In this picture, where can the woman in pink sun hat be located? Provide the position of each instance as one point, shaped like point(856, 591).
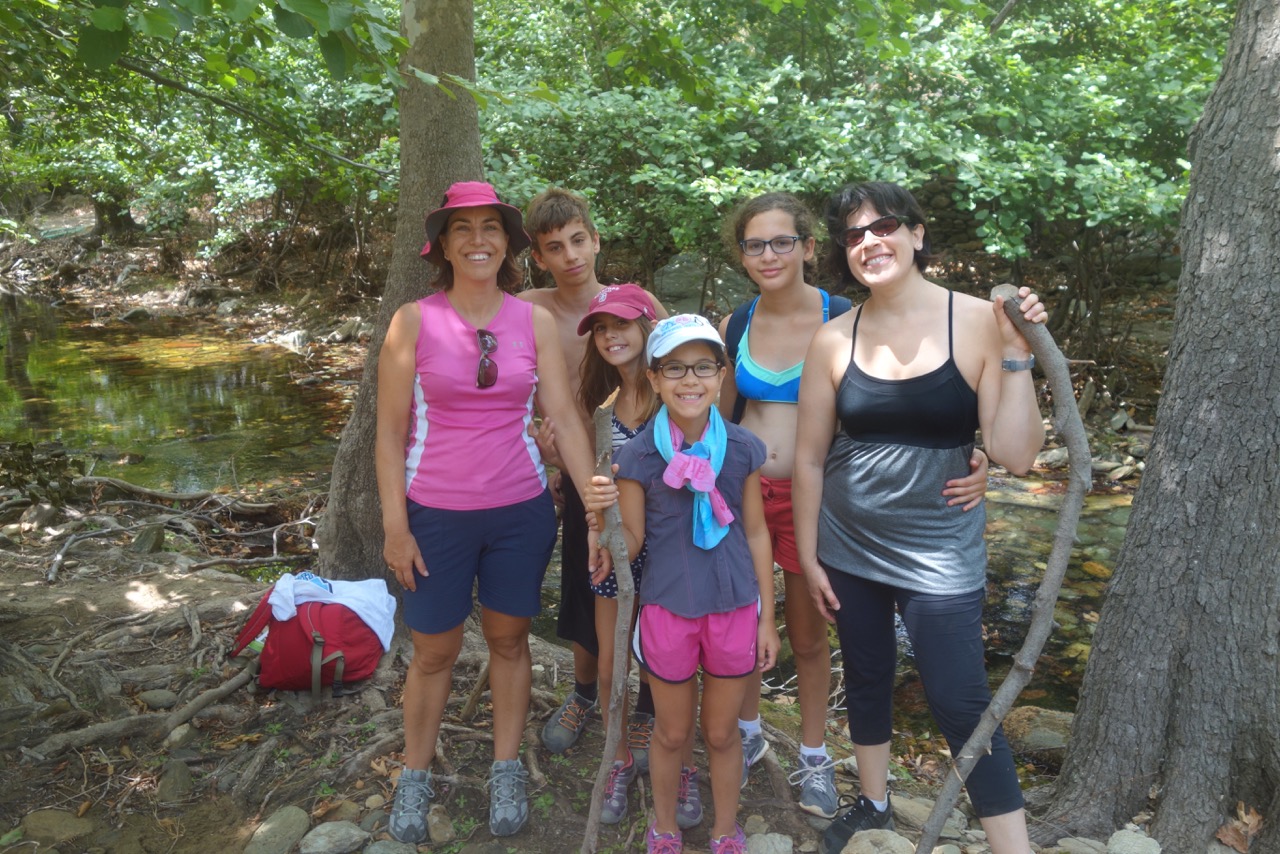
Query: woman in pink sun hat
point(463, 489)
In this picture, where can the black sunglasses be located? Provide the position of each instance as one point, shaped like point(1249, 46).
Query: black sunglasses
point(487, 372)
point(882, 227)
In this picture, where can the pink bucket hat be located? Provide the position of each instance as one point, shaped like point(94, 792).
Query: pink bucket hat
point(625, 301)
point(475, 194)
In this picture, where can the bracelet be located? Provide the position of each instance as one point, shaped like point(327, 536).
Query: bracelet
point(1019, 364)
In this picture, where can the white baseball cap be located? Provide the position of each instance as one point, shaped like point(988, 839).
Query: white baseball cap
point(671, 332)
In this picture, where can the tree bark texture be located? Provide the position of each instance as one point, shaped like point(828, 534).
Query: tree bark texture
point(1180, 707)
point(439, 144)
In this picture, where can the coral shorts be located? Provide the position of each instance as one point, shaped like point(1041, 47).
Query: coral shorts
point(780, 522)
point(672, 647)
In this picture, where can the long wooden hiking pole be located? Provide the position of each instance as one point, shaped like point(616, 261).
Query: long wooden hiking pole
point(1066, 420)
point(612, 539)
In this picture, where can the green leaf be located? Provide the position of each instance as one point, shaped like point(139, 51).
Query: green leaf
point(108, 18)
point(160, 22)
point(201, 8)
point(615, 56)
point(291, 23)
point(314, 11)
point(337, 56)
point(341, 15)
point(429, 79)
point(240, 10)
point(99, 48)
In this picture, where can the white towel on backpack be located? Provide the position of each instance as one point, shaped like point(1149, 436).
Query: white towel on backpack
point(369, 599)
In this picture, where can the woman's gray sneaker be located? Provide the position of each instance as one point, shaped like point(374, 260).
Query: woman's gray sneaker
point(817, 779)
point(408, 821)
point(508, 803)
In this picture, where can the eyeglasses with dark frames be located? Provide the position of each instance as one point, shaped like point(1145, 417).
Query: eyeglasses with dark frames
point(487, 372)
point(677, 370)
point(882, 227)
point(782, 244)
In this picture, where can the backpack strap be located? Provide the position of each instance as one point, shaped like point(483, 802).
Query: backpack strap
point(318, 661)
point(732, 335)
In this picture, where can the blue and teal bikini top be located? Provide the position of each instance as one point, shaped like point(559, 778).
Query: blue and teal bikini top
point(757, 383)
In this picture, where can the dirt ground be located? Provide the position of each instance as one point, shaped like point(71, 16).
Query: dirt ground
point(84, 650)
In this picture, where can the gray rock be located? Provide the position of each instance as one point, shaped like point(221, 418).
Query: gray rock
point(440, 825)
point(38, 516)
point(138, 313)
point(390, 846)
point(911, 814)
point(1039, 734)
point(175, 783)
point(149, 540)
point(282, 830)
point(878, 842)
point(181, 736)
point(1079, 845)
point(337, 837)
point(228, 307)
point(158, 698)
point(343, 811)
point(47, 828)
point(770, 843)
point(754, 824)
point(1054, 458)
point(1132, 842)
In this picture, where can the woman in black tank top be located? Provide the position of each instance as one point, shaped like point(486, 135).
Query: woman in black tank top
point(890, 398)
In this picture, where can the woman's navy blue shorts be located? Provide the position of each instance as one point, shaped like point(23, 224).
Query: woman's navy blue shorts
point(504, 551)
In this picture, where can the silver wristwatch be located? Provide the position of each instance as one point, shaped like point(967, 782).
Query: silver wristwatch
point(1019, 364)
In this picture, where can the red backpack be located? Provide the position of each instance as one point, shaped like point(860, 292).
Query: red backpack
point(325, 643)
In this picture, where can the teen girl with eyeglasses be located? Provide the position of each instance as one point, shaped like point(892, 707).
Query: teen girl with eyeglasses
point(773, 236)
point(890, 398)
point(462, 485)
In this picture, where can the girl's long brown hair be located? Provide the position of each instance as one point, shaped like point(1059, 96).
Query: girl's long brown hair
point(599, 378)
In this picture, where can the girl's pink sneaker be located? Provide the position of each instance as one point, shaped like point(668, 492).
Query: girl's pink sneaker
point(736, 844)
point(664, 843)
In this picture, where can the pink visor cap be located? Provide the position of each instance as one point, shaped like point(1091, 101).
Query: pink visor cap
point(625, 301)
point(475, 194)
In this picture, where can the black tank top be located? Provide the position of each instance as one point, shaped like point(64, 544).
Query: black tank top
point(934, 410)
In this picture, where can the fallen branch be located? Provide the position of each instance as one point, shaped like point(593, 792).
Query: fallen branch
point(248, 561)
point(477, 691)
point(611, 538)
point(235, 505)
point(1066, 420)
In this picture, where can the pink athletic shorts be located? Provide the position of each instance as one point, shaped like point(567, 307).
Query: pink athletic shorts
point(781, 524)
point(671, 647)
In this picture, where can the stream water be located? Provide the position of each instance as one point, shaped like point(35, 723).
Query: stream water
point(175, 404)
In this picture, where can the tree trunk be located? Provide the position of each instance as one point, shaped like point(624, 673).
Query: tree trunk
point(1180, 707)
point(439, 144)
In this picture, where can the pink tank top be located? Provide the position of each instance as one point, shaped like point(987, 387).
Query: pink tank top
point(469, 448)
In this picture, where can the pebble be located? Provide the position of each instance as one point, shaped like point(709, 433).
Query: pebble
point(755, 823)
point(175, 783)
point(1074, 845)
point(1132, 842)
point(878, 842)
point(158, 698)
point(440, 825)
point(769, 843)
point(47, 828)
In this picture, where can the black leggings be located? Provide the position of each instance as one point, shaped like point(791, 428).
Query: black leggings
point(946, 634)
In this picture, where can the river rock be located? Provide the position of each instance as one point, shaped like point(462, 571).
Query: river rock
point(138, 313)
point(181, 736)
point(228, 307)
point(280, 832)
point(1054, 458)
point(338, 837)
point(38, 517)
point(175, 783)
point(1132, 842)
point(47, 828)
point(149, 540)
point(911, 813)
point(343, 810)
point(160, 698)
point(1039, 734)
point(878, 842)
point(390, 846)
point(1079, 845)
point(770, 843)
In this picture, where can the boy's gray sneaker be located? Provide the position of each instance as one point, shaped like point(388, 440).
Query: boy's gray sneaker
point(817, 779)
point(614, 808)
point(508, 803)
point(753, 747)
point(408, 822)
point(564, 727)
point(688, 800)
point(639, 734)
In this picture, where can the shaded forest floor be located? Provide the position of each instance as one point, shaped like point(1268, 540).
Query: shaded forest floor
point(120, 711)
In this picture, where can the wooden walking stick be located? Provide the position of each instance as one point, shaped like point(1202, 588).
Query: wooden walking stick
point(1066, 420)
point(611, 538)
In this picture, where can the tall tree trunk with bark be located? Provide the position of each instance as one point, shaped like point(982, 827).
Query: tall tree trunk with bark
point(1180, 708)
point(439, 144)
